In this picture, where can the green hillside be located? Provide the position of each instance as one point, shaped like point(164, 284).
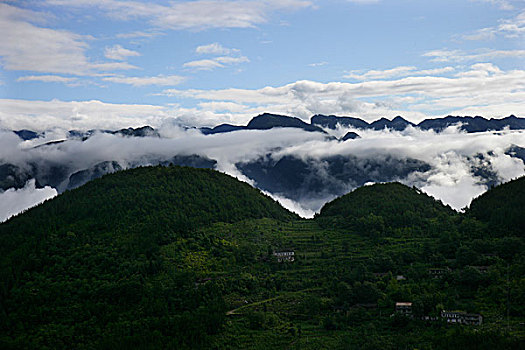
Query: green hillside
point(95, 261)
point(182, 258)
point(381, 209)
point(502, 208)
point(180, 198)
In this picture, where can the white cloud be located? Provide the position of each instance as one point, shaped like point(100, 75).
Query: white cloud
point(138, 34)
point(318, 64)
point(514, 27)
point(364, 1)
point(434, 71)
point(482, 89)
point(292, 205)
point(206, 64)
point(458, 195)
point(214, 49)
point(233, 56)
point(231, 60)
point(502, 4)
point(84, 115)
point(25, 46)
point(161, 80)
point(111, 66)
point(508, 28)
point(481, 34)
point(480, 70)
point(28, 47)
point(14, 201)
point(119, 53)
point(477, 87)
point(395, 72)
point(224, 106)
point(192, 15)
point(448, 153)
point(48, 79)
point(380, 74)
point(461, 56)
point(216, 62)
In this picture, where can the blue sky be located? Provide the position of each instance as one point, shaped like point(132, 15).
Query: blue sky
point(83, 64)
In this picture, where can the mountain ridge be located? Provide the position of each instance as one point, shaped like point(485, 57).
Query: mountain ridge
point(266, 121)
point(398, 123)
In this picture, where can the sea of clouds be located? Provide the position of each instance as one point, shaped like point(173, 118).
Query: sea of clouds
point(450, 154)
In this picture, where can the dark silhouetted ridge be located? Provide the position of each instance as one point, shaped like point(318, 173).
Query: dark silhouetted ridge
point(473, 124)
point(138, 132)
point(268, 121)
point(331, 121)
point(502, 207)
point(350, 136)
point(398, 123)
point(25, 134)
point(223, 128)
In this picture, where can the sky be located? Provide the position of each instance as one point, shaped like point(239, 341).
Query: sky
point(83, 64)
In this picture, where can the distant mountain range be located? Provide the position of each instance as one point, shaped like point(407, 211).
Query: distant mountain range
point(143, 131)
point(303, 179)
point(264, 122)
point(268, 121)
point(469, 124)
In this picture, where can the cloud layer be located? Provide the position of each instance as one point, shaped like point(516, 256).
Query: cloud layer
point(27, 46)
point(192, 15)
point(452, 156)
point(14, 201)
point(483, 88)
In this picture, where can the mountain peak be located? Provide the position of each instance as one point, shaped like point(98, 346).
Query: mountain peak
point(331, 121)
point(138, 132)
point(400, 119)
point(398, 124)
point(25, 134)
point(350, 136)
point(267, 121)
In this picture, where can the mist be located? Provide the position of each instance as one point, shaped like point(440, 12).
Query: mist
point(14, 201)
point(457, 166)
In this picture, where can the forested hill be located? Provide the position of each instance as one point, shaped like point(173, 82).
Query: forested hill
point(171, 198)
point(383, 207)
point(503, 207)
point(183, 258)
point(104, 262)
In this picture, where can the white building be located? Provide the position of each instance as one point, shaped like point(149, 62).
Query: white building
point(460, 317)
point(285, 256)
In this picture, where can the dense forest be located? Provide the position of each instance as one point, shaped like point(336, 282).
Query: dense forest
point(176, 257)
point(502, 208)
